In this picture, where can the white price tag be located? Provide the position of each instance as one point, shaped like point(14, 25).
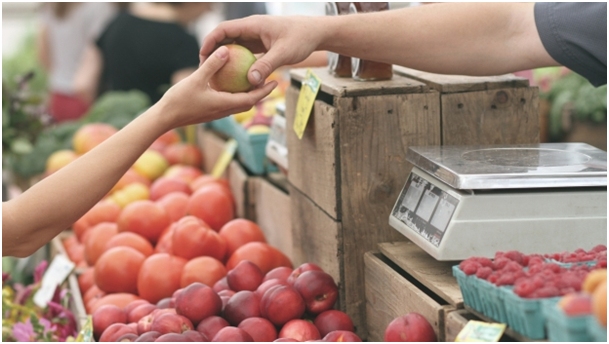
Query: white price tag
point(56, 273)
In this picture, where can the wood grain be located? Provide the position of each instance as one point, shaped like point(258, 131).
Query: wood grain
point(238, 180)
point(455, 322)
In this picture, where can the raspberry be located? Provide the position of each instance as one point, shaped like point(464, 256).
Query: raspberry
point(500, 262)
point(601, 264)
point(484, 272)
point(538, 281)
point(535, 269)
point(506, 279)
point(548, 291)
point(493, 277)
point(515, 256)
point(555, 268)
point(599, 248)
point(524, 288)
point(499, 254)
point(512, 267)
point(565, 291)
point(470, 268)
point(484, 261)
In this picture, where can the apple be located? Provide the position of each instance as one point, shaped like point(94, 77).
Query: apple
point(301, 269)
point(281, 273)
point(105, 316)
point(260, 329)
point(210, 326)
point(244, 276)
point(341, 336)
point(139, 312)
point(232, 77)
point(173, 337)
point(412, 327)
point(197, 302)
point(174, 323)
point(115, 331)
point(149, 336)
point(299, 329)
point(333, 320)
point(232, 334)
point(244, 304)
point(127, 337)
point(318, 290)
point(281, 304)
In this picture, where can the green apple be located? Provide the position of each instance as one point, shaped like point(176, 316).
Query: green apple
point(232, 77)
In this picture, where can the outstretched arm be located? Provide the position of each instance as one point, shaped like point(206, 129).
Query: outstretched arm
point(52, 205)
point(451, 38)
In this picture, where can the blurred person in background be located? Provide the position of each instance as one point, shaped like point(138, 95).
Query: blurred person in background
point(66, 29)
point(146, 48)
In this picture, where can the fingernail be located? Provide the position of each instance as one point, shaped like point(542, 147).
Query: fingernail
point(222, 52)
point(256, 76)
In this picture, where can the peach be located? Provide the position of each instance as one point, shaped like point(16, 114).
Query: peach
point(281, 304)
point(260, 329)
point(145, 218)
point(90, 135)
point(127, 337)
point(166, 185)
point(222, 284)
point(105, 316)
point(299, 329)
point(151, 164)
point(232, 334)
point(59, 159)
point(599, 303)
point(140, 311)
point(333, 320)
point(128, 178)
point(302, 269)
point(211, 325)
point(115, 331)
point(281, 273)
point(197, 302)
point(172, 337)
point(183, 172)
point(149, 336)
point(195, 336)
point(412, 327)
point(576, 304)
point(133, 304)
point(183, 154)
point(232, 77)
point(175, 204)
point(245, 276)
point(318, 290)
point(593, 279)
point(171, 323)
point(268, 285)
point(341, 336)
point(244, 304)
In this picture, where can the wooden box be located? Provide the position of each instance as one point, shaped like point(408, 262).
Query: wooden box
point(402, 278)
point(349, 168)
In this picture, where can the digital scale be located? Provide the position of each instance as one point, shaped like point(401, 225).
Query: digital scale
point(464, 201)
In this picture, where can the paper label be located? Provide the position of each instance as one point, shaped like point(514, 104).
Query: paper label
point(225, 158)
point(306, 99)
point(56, 273)
point(479, 331)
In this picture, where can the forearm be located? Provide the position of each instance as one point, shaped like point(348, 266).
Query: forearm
point(53, 204)
point(452, 38)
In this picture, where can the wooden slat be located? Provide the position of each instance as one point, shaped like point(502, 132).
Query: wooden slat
point(237, 180)
point(211, 146)
point(461, 83)
point(503, 116)
point(347, 87)
point(312, 160)
point(273, 215)
point(435, 275)
point(455, 322)
point(390, 295)
point(509, 332)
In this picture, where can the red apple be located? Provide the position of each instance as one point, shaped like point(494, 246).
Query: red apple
point(232, 334)
point(166, 185)
point(302, 269)
point(333, 320)
point(210, 326)
point(260, 329)
point(197, 302)
point(114, 332)
point(281, 273)
point(281, 304)
point(149, 336)
point(173, 337)
point(341, 336)
point(139, 312)
point(299, 329)
point(244, 276)
point(318, 290)
point(171, 323)
point(244, 304)
point(127, 337)
point(105, 316)
point(412, 327)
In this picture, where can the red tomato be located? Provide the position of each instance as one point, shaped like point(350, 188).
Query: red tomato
point(206, 270)
point(116, 270)
point(239, 232)
point(159, 276)
point(212, 204)
point(132, 240)
point(194, 239)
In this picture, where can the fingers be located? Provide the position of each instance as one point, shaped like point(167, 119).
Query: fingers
point(249, 99)
point(213, 63)
point(265, 65)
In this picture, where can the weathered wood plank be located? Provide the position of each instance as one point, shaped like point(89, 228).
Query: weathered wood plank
point(462, 83)
point(347, 87)
point(237, 180)
point(390, 295)
point(455, 322)
point(502, 116)
point(435, 275)
point(211, 145)
point(312, 160)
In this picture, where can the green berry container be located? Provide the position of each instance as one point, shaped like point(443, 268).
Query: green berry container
point(251, 151)
point(598, 332)
point(564, 328)
point(525, 316)
point(224, 125)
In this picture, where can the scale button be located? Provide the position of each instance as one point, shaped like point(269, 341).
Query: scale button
point(402, 209)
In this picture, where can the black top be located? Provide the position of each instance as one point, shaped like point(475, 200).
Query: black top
point(575, 35)
point(143, 54)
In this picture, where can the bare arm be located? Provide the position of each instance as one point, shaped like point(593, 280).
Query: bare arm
point(52, 205)
point(181, 74)
point(89, 72)
point(43, 50)
point(450, 38)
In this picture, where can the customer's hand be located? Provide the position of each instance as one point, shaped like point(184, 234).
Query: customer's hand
point(284, 40)
point(192, 100)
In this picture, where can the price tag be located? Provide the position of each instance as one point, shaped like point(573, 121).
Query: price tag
point(227, 155)
point(479, 331)
point(306, 98)
point(56, 273)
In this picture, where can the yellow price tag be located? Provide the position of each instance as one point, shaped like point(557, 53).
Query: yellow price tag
point(480, 331)
point(227, 155)
point(306, 98)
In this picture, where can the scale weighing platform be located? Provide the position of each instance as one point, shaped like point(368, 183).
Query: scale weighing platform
point(464, 201)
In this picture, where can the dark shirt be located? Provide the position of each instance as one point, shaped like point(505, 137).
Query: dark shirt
point(143, 54)
point(575, 35)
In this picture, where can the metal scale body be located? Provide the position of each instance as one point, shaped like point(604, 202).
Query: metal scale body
point(464, 201)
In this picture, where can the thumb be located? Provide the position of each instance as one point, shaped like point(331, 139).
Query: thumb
point(213, 63)
point(264, 66)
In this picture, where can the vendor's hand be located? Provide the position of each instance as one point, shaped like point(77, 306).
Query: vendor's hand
point(284, 40)
point(192, 100)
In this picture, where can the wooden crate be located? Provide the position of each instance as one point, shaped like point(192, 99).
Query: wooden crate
point(350, 166)
point(271, 211)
